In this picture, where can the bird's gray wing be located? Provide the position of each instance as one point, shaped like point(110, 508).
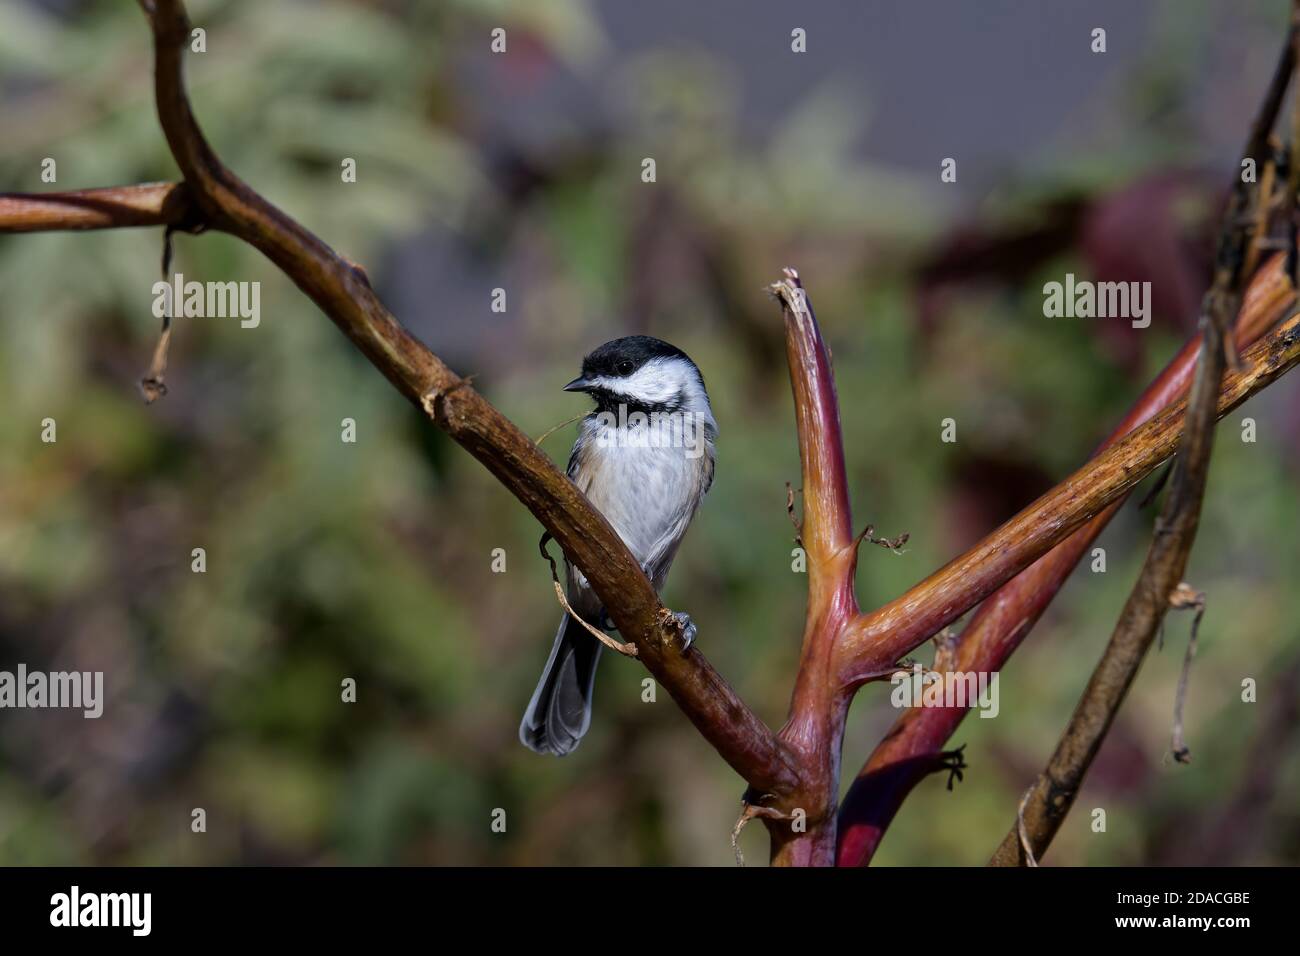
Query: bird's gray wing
point(659, 557)
point(662, 552)
point(580, 471)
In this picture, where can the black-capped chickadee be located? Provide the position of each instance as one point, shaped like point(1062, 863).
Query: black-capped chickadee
point(644, 457)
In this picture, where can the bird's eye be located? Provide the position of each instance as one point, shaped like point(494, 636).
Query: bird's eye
point(625, 367)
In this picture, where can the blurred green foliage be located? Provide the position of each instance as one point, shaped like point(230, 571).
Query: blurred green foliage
point(372, 560)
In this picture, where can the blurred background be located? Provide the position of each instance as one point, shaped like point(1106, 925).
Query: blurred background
point(522, 171)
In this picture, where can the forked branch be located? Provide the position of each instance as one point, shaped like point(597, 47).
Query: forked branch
point(343, 292)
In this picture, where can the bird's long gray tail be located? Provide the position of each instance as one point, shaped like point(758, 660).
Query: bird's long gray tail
point(560, 711)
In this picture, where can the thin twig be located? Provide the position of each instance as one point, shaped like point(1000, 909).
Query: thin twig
point(152, 385)
point(900, 761)
point(879, 637)
point(1264, 200)
point(555, 428)
point(628, 650)
point(1053, 794)
point(1185, 596)
point(750, 812)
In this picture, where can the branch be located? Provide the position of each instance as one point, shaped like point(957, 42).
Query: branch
point(912, 748)
point(827, 527)
point(880, 638)
point(343, 292)
point(1053, 793)
point(818, 708)
point(897, 628)
point(819, 705)
point(150, 204)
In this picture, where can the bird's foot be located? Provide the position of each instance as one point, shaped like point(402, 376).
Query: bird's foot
point(688, 629)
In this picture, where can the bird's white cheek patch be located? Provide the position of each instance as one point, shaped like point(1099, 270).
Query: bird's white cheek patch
point(652, 383)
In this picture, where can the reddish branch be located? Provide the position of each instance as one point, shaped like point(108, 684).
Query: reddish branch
point(1050, 798)
point(844, 648)
point(818, 707)
point(913, 748)
point(880, 638)
point(1052, 795)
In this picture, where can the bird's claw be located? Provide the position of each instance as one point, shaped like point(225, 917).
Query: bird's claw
point(688, 629)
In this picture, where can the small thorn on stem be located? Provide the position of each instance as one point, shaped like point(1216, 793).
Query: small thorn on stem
point(794, 519)
point(893, 544)
point(358, 269)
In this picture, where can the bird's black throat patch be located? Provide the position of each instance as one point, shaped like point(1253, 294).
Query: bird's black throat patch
point(607, 401)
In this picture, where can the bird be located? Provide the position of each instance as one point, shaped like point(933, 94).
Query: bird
point(644, 457)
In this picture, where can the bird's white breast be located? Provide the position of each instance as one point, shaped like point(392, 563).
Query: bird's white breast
point(647, 492)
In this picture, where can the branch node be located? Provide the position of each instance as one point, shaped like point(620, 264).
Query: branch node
point(358, 270)
point(434, 401)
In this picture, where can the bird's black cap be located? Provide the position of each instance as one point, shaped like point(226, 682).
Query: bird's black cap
point(622, 357)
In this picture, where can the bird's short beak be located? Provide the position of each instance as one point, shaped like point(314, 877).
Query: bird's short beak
point(579, 384)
